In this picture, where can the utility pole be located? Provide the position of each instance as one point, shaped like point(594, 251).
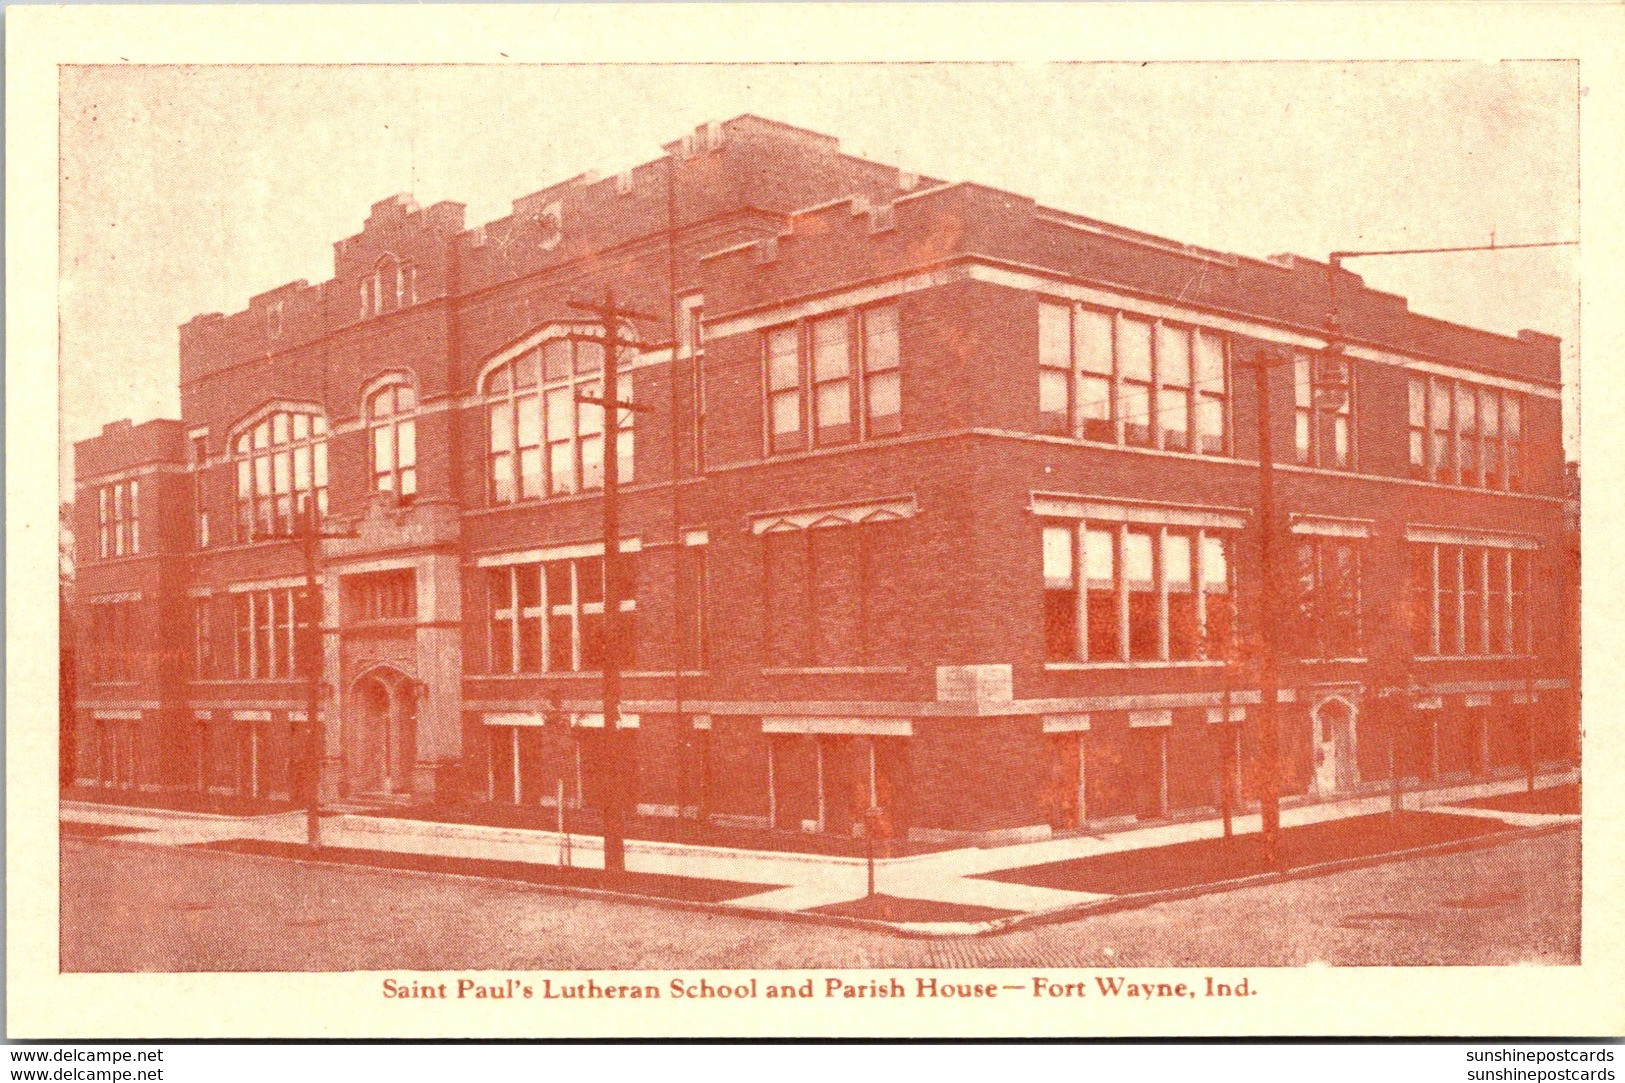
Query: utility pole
point(309, 534)
point(1269, 615)
point(613, 745)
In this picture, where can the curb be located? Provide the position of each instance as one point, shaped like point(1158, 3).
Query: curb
point(1140, 900)
point(167, 813)
point(909, 930)
point(398, 825)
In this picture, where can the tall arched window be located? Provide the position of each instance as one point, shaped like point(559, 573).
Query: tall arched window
point(543, 442)
point(281, 464)
point(391, 417)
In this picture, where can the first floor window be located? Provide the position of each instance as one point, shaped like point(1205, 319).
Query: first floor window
point(1148, 593)
point(274, 634)
point(549, 617)
point(1468, 600)
point(1328, 598)
point(113, 627)
point(833, 596)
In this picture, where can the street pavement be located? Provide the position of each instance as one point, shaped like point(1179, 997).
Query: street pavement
point(808, 881)
point(163, 908)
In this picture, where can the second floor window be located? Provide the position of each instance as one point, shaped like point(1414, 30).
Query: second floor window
point(833, 380)
point(543, 442)
point(281, 465)
point(1116, 593)
point(1465, 434)
point(391, 418)
point(118, 526)
point(1114, 378)
point(1322, 420)
point(1328, 598)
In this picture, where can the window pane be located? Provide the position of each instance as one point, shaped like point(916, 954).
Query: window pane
point(881, 341)
point(383, 449)
point(502, 490)
point(406, 451)
point(1512, 415)
point(530, 474)
point(885, 399)
point(590, 579)
point(829, 349)
point(592, 462)
point(301, 469)
point(1137, 561)
point(1440, 406)
point(1466, 414)
point(1055, 336)
point(1303, 391)
point(320, 461)
point(1210, 424)
point(1144, 637)
point(1210, 362)
point(1489, 413)
point(589, 357)
point(1095, 408)
point(301, 426)
point(501, 426)
point(1173, 411)
point(783, 369)
point(1300, 436)
point(560, 413)
point(555, 359)
point(279, 429)
point(1174, 355)
point(262, 434)
point(1103, 631)
point(589, 417)
point(525, 370)
point(1052, 400)
point(262, 476)
point(834, 404)
point(1058, 571)
point(1340, 441)
point(1418, 398)
point(1094, 331)
point(1134, 350)
point(786, 412)
point(561, 468)
point(1183, 632)
point(1135, 410)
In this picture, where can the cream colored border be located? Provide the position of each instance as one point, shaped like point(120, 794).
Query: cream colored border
point(1589, 999)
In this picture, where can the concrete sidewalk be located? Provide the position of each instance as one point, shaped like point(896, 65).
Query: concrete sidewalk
point(808, 880)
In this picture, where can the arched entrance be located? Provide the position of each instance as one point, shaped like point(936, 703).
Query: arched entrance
point(1332, 740)
point(381, 733)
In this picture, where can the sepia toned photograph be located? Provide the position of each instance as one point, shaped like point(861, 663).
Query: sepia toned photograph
point(1122, 526)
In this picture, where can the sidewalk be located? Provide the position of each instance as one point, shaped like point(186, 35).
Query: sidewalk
point(954, 891)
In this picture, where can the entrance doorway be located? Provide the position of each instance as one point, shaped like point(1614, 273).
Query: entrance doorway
point(381, 734)
point(1332, 741)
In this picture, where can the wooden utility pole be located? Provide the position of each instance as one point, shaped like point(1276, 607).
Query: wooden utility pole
point(1269, 617)
point(614, 741)
point(308, 532)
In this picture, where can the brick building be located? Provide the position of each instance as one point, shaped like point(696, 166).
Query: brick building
point(942, 503)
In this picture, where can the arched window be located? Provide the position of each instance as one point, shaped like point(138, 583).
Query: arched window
point(393, 284)
point(391, 417)
point(281, 464)
point(543, 442)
